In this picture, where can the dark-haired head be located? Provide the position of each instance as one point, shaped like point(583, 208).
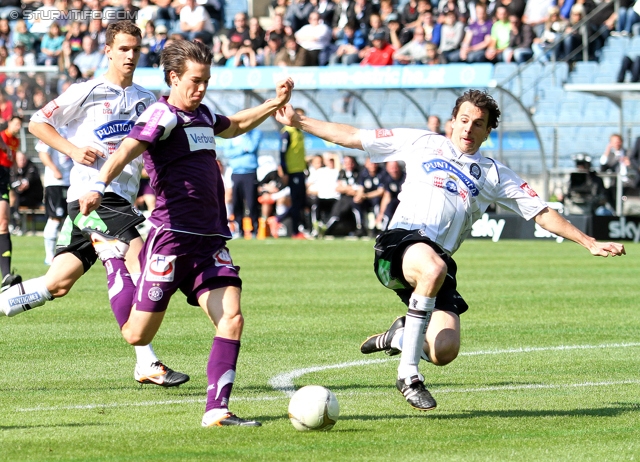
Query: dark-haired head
point(122, 27)
point(175, 57)
point(482, 100)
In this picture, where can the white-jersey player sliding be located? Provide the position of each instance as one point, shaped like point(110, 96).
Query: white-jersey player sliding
point(98, 115)
point(449, 185)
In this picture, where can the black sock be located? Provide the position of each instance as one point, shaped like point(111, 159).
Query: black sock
point(5, 254)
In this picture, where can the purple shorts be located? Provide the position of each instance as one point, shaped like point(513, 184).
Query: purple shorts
point(145, 187)
point(194, 264)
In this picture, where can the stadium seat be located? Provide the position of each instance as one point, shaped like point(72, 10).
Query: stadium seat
point(502, 71)
point(546, 112)
point(619, 43)
point(634, 46)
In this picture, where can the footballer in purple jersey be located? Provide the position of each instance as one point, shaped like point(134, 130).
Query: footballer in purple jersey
point(186, 248)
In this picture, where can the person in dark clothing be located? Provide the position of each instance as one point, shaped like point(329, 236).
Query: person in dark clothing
point(26, 186)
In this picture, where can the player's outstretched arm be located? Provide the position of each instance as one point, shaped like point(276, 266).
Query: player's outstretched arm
point(129, 149)
point(49, 135)
point(248, 119)
point(344, 135)
point(552, 221)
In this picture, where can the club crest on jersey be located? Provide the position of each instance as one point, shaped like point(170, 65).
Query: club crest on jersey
point(111, 147)
point(49, 109)
point(140, 107)
point(155, 294)
point(475, 171)
point(444, 166)
point(113, 129)
point(222, 258)
point(383, 133)
point(162, 268)
point(526, 188)
point(107, 108)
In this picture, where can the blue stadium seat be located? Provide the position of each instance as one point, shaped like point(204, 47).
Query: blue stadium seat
point(502, 71)
point(617, 43)
point(534, 71)
point(570, 112)
point(634, 46)
point(414, 118)
point(546, 112)
point(600, 111)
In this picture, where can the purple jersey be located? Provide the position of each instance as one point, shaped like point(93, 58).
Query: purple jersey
point(182, 168)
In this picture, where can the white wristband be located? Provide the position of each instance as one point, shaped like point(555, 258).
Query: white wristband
point(99, 187)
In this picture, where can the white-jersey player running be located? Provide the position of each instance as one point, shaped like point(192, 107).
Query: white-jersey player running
point(449, 185)
point(98, 115)
point(57, 170)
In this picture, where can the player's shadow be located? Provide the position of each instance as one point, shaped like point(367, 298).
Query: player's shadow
point(612, 411)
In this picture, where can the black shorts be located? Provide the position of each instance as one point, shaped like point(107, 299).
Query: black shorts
point(55, 202)
point(115, 216)
point(5, 183)
point(390, 246)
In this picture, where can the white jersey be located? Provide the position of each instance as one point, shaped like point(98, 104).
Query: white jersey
point(100, 114)
point(446, 191)
point(63, 163)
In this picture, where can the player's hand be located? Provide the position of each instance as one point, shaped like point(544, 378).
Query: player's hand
point(286, 115)
point(605, 249)
point(283, 91)
point(89, 202)
point(86, 155)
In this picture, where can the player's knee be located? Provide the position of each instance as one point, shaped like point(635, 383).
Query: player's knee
point(135, 338)
point(230, 326)
point(432, 274)
point(445, 349)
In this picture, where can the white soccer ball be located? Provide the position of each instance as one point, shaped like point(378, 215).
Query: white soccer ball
point(313, 408)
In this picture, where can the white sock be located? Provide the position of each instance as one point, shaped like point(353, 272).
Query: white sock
point(415, 327)
point(25, 296)
point(50, 234)
point(145, 356)
point(397, 339)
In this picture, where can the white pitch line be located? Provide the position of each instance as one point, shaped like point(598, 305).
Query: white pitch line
point(284, 382)
point(532, 386)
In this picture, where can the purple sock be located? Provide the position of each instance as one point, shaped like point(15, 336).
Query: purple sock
point(121, 289)
point(221, 372)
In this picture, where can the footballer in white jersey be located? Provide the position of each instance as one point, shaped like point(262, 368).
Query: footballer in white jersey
point(446, 191)
point(99, 114)
point(448, 186)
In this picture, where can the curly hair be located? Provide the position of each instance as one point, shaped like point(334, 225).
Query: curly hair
point(481, 100)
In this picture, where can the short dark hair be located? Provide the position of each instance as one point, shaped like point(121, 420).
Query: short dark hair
point(481, 100)
point(175, 56)
point(121, 27)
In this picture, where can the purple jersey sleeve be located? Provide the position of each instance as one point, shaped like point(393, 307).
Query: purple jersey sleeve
point(221, 124)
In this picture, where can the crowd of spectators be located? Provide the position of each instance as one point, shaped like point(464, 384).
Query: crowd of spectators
point(70, 34)
point(343, 197)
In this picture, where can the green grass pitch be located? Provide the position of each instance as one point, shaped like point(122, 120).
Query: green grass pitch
point(548, 370)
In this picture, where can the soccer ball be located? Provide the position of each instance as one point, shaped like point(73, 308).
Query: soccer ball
point(313, 408)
